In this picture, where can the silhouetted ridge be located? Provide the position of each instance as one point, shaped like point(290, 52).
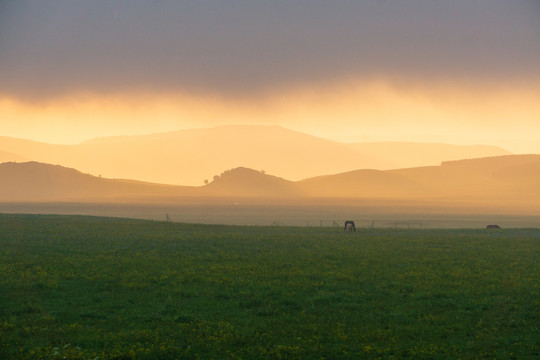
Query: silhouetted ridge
point(245, 181)
point(6, 156)
point(33, 181)
point(495, 161)
point(187, 157)
point(366, 183)
point(502, 180)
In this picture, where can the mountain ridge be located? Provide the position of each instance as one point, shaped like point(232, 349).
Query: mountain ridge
point(188, 157)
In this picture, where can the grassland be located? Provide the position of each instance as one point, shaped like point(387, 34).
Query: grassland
point(77, 287)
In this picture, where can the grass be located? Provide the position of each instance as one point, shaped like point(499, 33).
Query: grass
point(100, 288)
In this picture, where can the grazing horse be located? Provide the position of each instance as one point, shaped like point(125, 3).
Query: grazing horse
point(349, 226)
point(493, 227)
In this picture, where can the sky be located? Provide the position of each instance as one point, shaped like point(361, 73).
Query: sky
point(460, 72)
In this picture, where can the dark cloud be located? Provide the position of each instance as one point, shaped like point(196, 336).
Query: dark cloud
point(241, 47)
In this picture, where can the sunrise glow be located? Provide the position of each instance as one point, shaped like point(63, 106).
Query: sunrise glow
point(352, 113)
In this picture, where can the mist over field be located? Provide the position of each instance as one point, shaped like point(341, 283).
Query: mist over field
point(458, 193)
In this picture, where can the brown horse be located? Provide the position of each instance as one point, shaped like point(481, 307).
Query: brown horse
point(349, 226)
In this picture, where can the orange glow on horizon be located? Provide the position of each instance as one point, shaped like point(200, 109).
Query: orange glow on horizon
point(352, 112)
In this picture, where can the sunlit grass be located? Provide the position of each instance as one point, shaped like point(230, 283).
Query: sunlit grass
point(87, 288)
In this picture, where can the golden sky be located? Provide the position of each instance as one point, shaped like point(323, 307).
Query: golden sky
point(457, 72)
point(378, 112)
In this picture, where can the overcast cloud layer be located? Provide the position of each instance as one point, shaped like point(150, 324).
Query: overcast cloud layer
point(240, 47)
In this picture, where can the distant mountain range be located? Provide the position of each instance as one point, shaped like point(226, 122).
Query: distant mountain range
point(511, 180)
point(188, 157)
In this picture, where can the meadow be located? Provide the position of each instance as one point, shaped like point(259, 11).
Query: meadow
point(81, 287)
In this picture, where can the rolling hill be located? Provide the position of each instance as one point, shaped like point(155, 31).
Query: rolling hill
point(511, 181)
point(510, 178)
point(248, 182)
point(408, 155)
point(7, 157)
point(188, 157)
point(35, 182)
point(361, 184)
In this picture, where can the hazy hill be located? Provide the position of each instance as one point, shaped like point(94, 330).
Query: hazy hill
point(407, 154)
point(188, 157)
point(513, 178)
point(505, 181)
point(496, 162)
point(7, 157)
point(247, 182)
point(32, 181)
point(361, 183)
point(514, 175)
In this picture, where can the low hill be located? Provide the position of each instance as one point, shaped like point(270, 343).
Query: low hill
point(407, 154)
point(32, 181)
point(247, 182)
point(506, 181)
point(188, 157)
point(496, 162)
point(511, 181)
point(515, 175)
point(362, 184)
point(7, 157)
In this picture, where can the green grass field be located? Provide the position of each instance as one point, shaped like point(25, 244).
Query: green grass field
point(101, 288)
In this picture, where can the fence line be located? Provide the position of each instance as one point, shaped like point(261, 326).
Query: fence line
point(364, 224)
